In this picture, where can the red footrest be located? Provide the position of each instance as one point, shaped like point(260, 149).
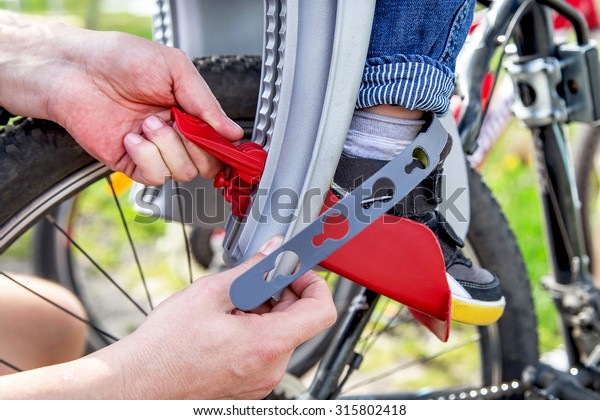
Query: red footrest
point(402, 260)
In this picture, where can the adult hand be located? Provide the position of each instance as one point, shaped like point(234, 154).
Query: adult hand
point(194, 345)
point(213, 350)
point(112, 92)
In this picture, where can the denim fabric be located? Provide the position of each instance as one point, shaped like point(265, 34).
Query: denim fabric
point(412, 53)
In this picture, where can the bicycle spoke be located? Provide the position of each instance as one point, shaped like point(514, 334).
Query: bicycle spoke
point(401, 316)
point(419, 361)
point(388, 327)
point(367, 345)
point(85, 321)
point(52, 220)
point(370, 339)
point(373, 331)
point(10, 365)
point(185, 235)
point(130, 239)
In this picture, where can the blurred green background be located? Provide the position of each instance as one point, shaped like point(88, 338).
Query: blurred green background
point(131, 16)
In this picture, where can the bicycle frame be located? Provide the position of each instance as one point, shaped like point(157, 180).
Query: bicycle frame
point(577, 300)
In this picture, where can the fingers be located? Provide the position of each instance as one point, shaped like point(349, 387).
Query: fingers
point(171, 148)
point(311, 287)
point(161, 152)
point(305, 309)
point(218, 285)
point(208, 166)
point(147, 165)
point(299, 320)
point(195, 97)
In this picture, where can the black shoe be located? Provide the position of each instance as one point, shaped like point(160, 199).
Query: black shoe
point(476, 293)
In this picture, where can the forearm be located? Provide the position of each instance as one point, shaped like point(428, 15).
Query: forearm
point(106, 374)
point(86, 378)
point(30, 50)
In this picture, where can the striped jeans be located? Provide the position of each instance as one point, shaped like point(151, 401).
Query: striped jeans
point(412, 53)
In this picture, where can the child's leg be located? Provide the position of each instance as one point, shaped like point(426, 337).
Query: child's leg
point(33, 333)
point(410, 72)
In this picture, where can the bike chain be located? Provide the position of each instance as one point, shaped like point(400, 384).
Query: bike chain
point(494, 392)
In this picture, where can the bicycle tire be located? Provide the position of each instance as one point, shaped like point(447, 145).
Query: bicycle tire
point(496, 249)
point(586, 147)
point(510, 345)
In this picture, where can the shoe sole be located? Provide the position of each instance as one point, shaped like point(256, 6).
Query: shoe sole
point(476, 312)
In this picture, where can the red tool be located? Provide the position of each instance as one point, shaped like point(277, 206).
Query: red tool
point(245, 162)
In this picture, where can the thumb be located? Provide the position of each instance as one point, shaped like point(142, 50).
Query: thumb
point(226, 278)
point(195, 97)
point(311, 313)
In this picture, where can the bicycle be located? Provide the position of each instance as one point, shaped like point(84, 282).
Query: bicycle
point(507, 347)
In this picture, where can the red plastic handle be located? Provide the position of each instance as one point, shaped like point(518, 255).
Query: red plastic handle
point(250, 164)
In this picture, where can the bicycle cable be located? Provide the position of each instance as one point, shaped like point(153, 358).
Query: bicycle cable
point(10, 365)
point(572, 15)
point(185, 235)
point(372, 334)
point(358, 356)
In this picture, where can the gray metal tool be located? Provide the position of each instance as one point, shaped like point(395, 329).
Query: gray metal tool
point(320, 239)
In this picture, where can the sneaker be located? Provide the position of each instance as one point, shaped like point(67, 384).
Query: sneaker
point(476, 293)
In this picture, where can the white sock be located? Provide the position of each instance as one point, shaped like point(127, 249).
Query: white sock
point(379, 137)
